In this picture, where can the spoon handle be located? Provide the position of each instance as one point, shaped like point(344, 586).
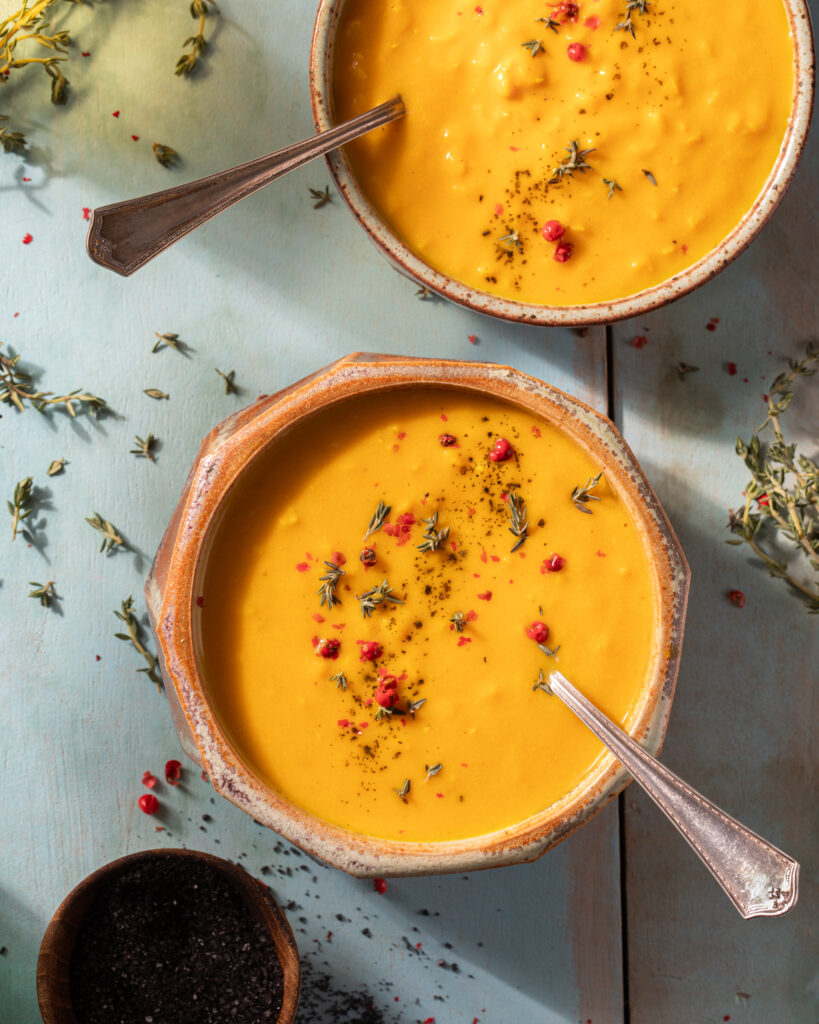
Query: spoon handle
point(759, 879)
point(124, 236)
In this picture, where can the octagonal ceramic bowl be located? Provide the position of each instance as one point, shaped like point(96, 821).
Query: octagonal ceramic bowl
point(406, 261)
point(178, 569)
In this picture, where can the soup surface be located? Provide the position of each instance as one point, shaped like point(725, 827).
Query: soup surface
point(681, 123)
point(406, 704)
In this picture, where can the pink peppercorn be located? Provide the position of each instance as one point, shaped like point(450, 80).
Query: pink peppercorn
point(148, 803)
point(447, 440)
point(576, 52)
point(554, 563)
point(501, 450)
point(326, 648)
point(370, 650)
point(552, 230)
point(539, 632)
point(563, 252)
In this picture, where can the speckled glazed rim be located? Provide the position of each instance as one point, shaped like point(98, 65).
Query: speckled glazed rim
point(405, 261)
point(176, 574)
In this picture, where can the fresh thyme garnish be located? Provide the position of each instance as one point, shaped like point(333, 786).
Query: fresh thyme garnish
point(44, 592)
point(230, 382)
point(375, 596)
point(16, 389)
point(198, 44)
point(550, 652)
point(638, 6)
point(550, 23)
point(322, 197)
point(110, 536)
point(683, 369)
point(134, 637)
point(144, 447)
point(403, 792)
point(340, 680)
point(56, 466)
point(612, 186)
point(379, 517)
point(329, 582)
point(512, 239)
point(155, 393)
point(433, 538)
point(21, 506)
point(165, 155)
point(423, 293)
point(415, 705)
point(581, 495)
point(432, 770)
point(576, 161)
point(541, 683)
point(534, 45)
point(785, 486)
point(168, 339)
point(519, 525)
point(650, 177)
point(458, 621)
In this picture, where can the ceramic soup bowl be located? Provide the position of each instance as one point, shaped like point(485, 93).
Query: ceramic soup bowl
point(177, 574)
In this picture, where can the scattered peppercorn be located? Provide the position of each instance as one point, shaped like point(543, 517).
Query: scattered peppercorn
point(552, 230)
point(538, 631)
point(563, 252)
point(576, 52)
point(367, 556)
point(554, 563)
point(173, 772)
point(737, 597)
point(380, 886)
point(447, 440)
point(370, 650)
point(326, 648)
point(501, 450)
point(148, 803)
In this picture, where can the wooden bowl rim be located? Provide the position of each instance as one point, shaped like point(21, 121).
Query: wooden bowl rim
point(57, 946)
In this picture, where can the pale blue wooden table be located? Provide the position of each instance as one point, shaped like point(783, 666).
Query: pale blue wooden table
point(621, 922)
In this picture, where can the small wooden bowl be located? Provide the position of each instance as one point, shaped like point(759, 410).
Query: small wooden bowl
point(57, 947)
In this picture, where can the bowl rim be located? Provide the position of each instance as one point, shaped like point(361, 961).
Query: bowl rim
point(60, 936)
point(172, 586)
point(708, 266)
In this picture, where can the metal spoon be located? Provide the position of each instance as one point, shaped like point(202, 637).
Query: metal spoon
point(124, 236)
point(760, 880)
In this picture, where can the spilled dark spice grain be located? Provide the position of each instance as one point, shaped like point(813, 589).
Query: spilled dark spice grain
point(170, 941)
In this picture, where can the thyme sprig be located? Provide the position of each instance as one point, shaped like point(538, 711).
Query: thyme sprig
point(432, 770)
point(16, 389)
point(322, 197)
point(519, 524)
point(458, 621)
point(533, 45)
point(510, 240)
point(329, 582)
point(165, 155)
point(782, 497)
point(550, 652)
point(44, 592)
point(379, 517)
point(550, 23)
point(612, 186)
point(200, 9)
point(376, 596)
point(144, 447)
point(433, 538)
point(231, 387)
point(110, 536)
point(632, 7)
point(340, 680)
point(541, 683)
point(581, 496)
point(134, 637)
point(575, 161)
point(403, 792)
point(21, 506)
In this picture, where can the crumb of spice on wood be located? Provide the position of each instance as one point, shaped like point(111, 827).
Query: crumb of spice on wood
point(171, 941)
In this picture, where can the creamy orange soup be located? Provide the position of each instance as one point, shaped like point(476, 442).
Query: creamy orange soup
point(389, 683)
point(681, 123)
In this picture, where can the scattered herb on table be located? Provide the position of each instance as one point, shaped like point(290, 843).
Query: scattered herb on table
point(423, 293)
point(110, 537)
point(632, 7)
point(134, 637)
point(144, 447)
point(683, 369)
point(155, 393)
point(379, 517)
point(550, 23)
point(322, 197)
point(44, 592)
point(170, 340)
point(782, 497)
point(376, 596)
point(581, 496)
point(433, 538)
point(519, 524)
point(165, 155)
point(231, 387)
point(576, 161)
point(21, 506)
point(186, 63)
point(56, 466)
point(16, 389)
point(329, 582)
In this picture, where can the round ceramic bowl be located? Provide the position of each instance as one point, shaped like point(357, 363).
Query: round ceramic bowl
point(57, 947)
point(175, 579)
point(406, 262)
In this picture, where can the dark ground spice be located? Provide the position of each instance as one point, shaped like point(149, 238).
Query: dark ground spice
point(170, 941)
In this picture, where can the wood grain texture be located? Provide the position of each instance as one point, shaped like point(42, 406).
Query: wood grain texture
point(272, 289)
point(743, 725)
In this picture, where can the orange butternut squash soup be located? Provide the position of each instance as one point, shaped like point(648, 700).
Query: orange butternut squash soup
point(567, 153)
point(386, 591)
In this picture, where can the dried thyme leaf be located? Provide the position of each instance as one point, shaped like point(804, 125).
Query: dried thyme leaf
point(541, 683)
point(44, 592)
point(376, 596)
point(329, 582)
point(512, 239)
point(56, 466)
point(403, 792)
point(186, 63)
point(322, 197)
point(576, 161)
point(433, 538)
point(550, 652)
point(534, 46)
point(340, 680)
point(21, 506)
point(519, 525)
point(612, 187)
point(230, 382)
point(650, 177)
point(683, 369)
point(170, 340)
point(581, 495)
point(111, 538)
point(632, 7)
point(134, 637)
point(432, 770)
point(145, 447)
point(378, 519)
point(165, 155)
point(155, 393)
point(458, 621)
